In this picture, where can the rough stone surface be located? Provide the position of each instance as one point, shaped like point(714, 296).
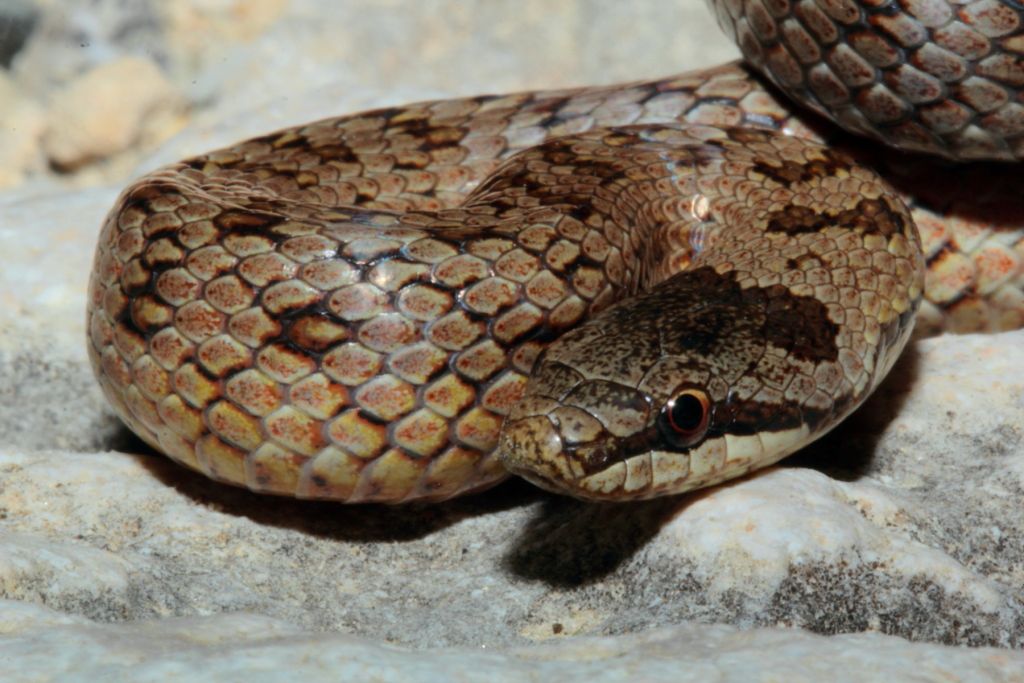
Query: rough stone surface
point(109, 109)
point(901, 530)
point(23, 127)
point(894, 524)
point(250, 648)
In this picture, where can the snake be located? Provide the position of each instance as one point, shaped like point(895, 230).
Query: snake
point(614, 292)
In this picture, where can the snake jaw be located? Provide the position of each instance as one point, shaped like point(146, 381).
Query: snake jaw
point(661, 472)
point(565, 449)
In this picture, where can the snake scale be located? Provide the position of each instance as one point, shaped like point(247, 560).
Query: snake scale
point(615, 292)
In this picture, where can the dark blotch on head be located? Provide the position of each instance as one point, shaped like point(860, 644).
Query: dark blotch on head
point(800, 325)
point(705, 338)
point(719, 308)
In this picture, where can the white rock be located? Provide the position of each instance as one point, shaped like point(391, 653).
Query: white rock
point(40, 645)
point(108, 110)
point(23, 125)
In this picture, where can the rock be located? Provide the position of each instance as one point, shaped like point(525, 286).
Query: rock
point(19, 18)
point(109, 109)
point(40, 644)
point(24, 123)
point(881, 552)
point(453, 46)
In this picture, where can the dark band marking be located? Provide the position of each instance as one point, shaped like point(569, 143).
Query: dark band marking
point(749, 417)
point(789, 172)
point(600, 455)
point(946, 251)
point(800, 324)
point(869, 217)
point(246, 221)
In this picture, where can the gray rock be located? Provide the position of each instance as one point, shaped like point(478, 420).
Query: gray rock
point(18, 18)
point(256, 649)
point(901, 529)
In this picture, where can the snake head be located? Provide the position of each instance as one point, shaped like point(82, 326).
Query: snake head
point(696, 381)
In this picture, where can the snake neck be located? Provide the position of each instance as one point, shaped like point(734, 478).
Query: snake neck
point(626, 184)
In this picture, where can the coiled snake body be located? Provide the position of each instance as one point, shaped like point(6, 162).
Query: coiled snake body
point(351, 309)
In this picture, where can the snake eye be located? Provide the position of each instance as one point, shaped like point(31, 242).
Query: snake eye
point(685, 418)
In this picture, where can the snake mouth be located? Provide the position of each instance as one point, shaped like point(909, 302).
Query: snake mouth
point(531, 448)
point(631, 469)
point(568, 429)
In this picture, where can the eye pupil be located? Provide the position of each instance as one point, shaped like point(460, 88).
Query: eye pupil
point(687, 413)
point(684, 420)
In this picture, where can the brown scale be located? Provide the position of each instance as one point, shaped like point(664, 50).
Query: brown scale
point(349, 309)
point(927, 76)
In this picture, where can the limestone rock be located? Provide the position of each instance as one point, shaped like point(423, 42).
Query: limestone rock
point(39, 644)
point(23, 125)
point(110, 108)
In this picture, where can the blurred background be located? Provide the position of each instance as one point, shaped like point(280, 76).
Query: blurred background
point(90, 88)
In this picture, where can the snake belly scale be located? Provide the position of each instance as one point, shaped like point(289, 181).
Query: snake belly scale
point(615, 292)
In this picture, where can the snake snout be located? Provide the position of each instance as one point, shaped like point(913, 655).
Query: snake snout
point(531, 447)
point(575, 435)
point(543, 450)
